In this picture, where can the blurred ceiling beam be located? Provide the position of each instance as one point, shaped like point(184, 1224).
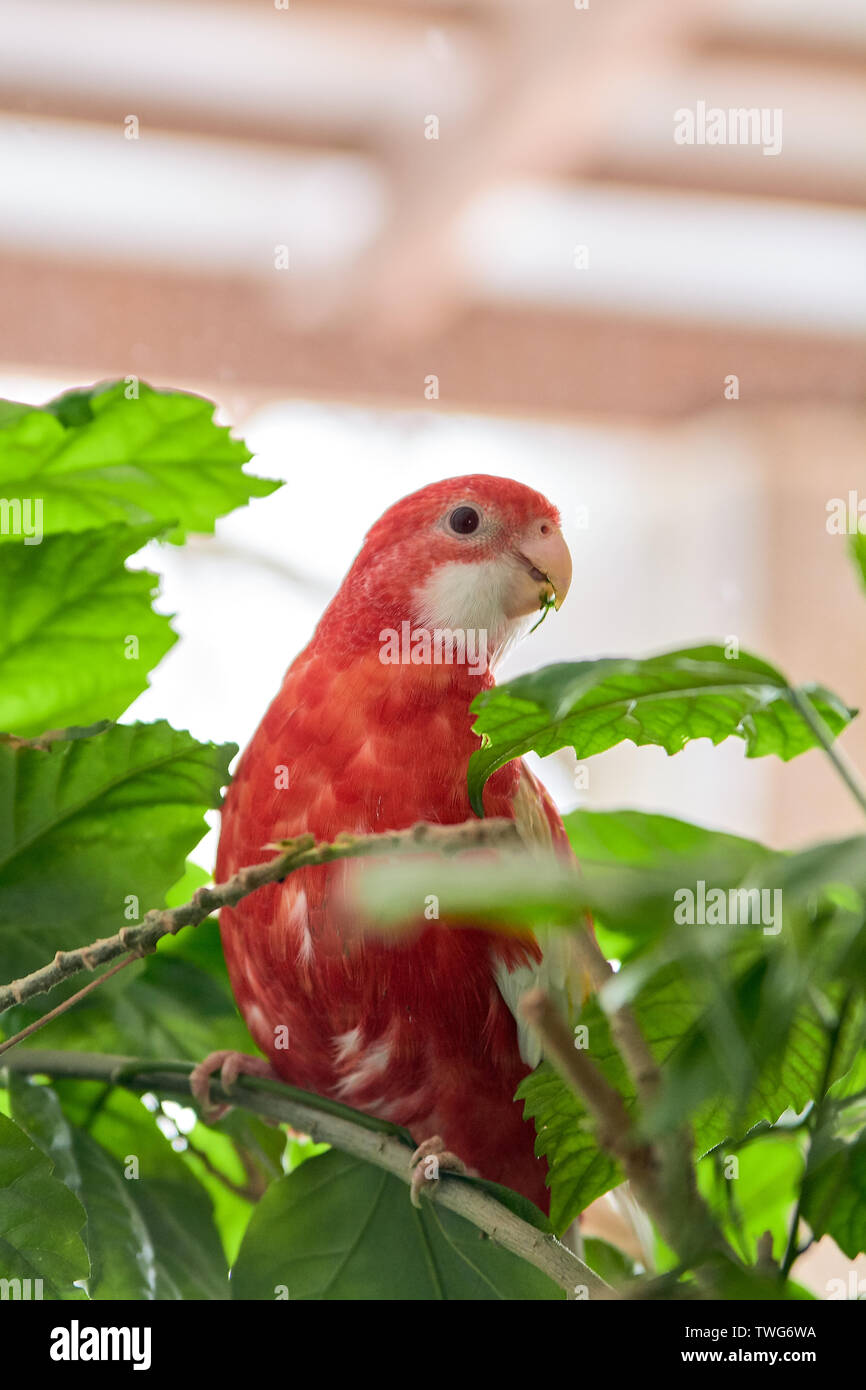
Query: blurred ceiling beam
point(524, 89)
point(831, 27)
point(81, 321)
point(261, 68)
point(559, 86)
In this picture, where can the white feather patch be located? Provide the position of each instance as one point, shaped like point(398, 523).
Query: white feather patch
point(470, 596)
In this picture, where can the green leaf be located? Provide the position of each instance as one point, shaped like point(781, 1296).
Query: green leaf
point(40, 1219)
point(124, 1125)
point(150, 1229)
point(95, 830)
point(834, 1196)
point(642, 839)
point(193, 877)
point(337, 1228)
point(190, 1262)
point(122, 1256)
point(96, 457)
point(71, 609)
point(121, 1253)
point(666, 700)
point(298, 1150)
point(11, 411)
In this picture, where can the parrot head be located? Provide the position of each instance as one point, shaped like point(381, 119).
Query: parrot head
point(473, 553)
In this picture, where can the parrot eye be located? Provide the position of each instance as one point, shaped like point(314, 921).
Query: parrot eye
point(464, 520)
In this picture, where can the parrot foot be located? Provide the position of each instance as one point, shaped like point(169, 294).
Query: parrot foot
point(426, 1162)
point(230, 1066)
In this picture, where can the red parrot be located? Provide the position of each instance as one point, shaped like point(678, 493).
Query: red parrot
point(418, 1031)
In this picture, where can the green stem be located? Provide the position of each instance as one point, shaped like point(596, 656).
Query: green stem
point(824, 736)
point(792, 1250)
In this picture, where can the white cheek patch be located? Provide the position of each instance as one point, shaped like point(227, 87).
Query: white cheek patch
point(468, 597)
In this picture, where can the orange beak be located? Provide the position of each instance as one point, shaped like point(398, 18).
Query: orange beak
point(545, 570)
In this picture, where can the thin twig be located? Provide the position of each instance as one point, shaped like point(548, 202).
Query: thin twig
point(300, 853)
point(624, 1028)
point(61, 1008)
point(602, 1100)
point(816, 1120)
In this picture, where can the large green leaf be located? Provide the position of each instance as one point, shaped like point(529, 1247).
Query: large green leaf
point(93, 457)
point(337, 1228)
point(666, 700)
point(537, 889)
point(40, 1219)
point(121, 1253)
point(633, 870)
point(95, 830)
point(79, 635)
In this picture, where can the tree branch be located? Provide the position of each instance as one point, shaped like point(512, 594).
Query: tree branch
point(661, 1174)
point(300, 853)
point(363, 1137)
point(669, 1184)
point(624, 1029)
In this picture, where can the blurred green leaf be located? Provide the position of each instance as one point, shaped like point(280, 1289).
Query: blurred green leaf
point(608, 1262)
point(641, 893)
point(207, 1158)
point(79, 635)
point(638, 849)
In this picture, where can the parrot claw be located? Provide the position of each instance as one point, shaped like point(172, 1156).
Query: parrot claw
point(230, 1066)
point(426, 1162)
